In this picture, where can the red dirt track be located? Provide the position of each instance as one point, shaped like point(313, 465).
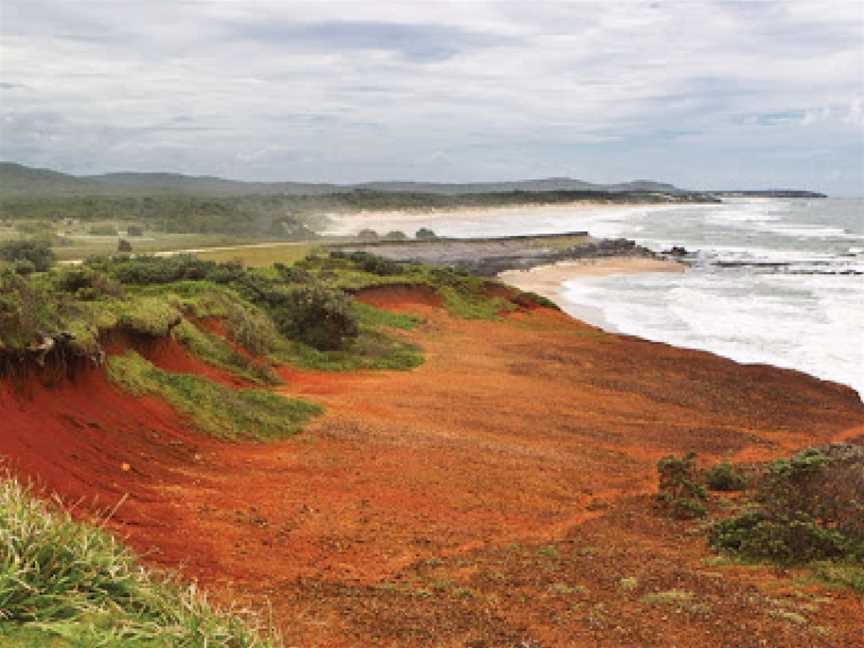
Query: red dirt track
point(496, 496)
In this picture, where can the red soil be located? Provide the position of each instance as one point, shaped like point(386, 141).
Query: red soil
point(391, 521)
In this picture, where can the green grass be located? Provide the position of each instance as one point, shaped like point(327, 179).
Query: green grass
point(250, 414)
point(68, 584)
point(371, 350)
point(372, 317)
point(213, 350)
point(260, 257)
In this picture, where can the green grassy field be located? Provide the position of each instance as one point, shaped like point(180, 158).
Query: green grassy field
point(260, 255)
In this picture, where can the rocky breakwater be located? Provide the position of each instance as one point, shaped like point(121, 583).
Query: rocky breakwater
point(490, 256)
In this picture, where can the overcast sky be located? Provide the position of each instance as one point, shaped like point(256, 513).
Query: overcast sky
point(699, 93)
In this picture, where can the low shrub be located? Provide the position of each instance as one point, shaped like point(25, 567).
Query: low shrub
point(36, 251)
point(791, 539)
point(134, 231)
point(679, 493)
point(810, 507)
point(724, 477)
point(318, 316)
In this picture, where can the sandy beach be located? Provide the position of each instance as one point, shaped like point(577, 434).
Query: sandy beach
point(412, 219)
point(546, 280)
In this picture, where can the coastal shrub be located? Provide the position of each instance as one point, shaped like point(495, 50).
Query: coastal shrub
point(679, 492)
point(144, 270)
point(67, 583)
point(367, 235)
point(36, 251)
point(809, 507)
point(724, 477)
point(229, 414)
point(790, 539)
point(87, 284)
point(24, 267)
point(315, 315)
point(250, 328)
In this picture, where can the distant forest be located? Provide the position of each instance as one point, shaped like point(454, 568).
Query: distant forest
point(282, 216)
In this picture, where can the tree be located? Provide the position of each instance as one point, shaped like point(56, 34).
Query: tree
point(124, 246)
point(395, 235)
point(36, 251)
point(367, 235)
point(425, 233)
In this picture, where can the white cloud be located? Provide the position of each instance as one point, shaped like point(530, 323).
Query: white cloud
point(363, 90)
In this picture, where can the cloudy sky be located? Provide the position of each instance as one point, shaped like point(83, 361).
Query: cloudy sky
point(700, 93)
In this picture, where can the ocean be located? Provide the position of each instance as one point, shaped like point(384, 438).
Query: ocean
point(773, 281)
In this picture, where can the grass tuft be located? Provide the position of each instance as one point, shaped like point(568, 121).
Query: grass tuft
point(64, 583)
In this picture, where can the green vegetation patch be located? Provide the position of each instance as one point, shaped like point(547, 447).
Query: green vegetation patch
point(64, 583)
point(224, 413)
point(806, 508)
point(680, 493)
point(213, 350)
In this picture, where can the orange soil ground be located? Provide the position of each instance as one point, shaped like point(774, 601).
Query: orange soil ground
point(496, 496)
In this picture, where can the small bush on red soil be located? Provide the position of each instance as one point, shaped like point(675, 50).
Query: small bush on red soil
point(317, 316)
point(724, 477)
point(810, 507)
point(679, 493)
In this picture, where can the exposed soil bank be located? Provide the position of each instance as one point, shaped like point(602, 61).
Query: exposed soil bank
point(496, 496)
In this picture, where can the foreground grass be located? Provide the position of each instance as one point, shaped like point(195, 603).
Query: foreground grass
point(64, 584)
point(228, 414)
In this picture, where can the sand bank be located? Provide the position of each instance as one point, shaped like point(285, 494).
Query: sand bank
point(546, 280)
point(412, 219)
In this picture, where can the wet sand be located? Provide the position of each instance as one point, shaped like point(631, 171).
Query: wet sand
point(546, 280)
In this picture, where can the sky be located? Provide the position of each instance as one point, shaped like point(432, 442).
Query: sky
point(703, 94)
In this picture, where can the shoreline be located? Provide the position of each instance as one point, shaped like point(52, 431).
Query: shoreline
point(342, 223)
point(547, 280)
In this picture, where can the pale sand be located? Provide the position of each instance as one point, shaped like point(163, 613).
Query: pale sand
point(547, 280)
point(345, 224)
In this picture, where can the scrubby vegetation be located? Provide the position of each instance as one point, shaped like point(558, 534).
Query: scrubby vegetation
point(65, 584)
point(27, 255)
point(809, 507)
point(679, 492)
point(724, 477)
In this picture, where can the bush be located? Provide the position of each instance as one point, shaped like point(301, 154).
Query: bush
point(425, 233)
point(678, 492)
point(36, 251)
point(811, 507)
point(24, 267)
point(396, 235)
point(317, 316)
point(86, 283)
point(785, 540)
point(724, 477)
point(124, 246)
point(367, 235)
point(134, 230)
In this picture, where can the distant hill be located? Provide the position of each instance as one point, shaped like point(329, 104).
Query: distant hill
point(19, 180)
